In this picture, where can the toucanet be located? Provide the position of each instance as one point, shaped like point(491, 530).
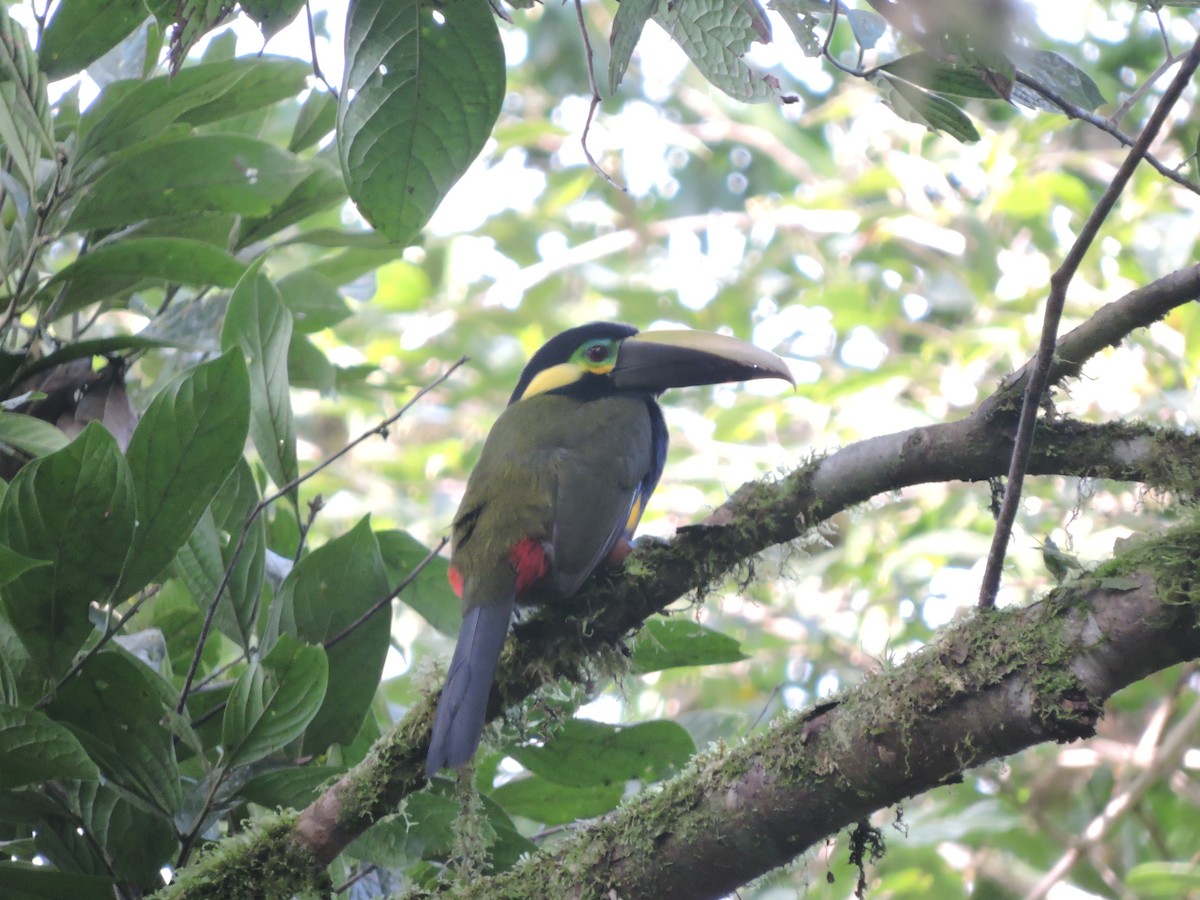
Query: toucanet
point(560, 485)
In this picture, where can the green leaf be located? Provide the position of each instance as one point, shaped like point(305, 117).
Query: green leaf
point(716, 34)
point(585, 753)
point(934, 112)
point(81, 31)
point(1063, 77)
point(1115, 583)
point(116, 268)
point(30, 434)
point(317, 117)
point(35, 749)
point(13, 564)
point(118, 837)
point(669, 643)
point(259, 325)
point(273, 701)
point(314, 301)
point(1163, 879)
point(96, 347)
point(271, 16)
point(424, 829)
point(631, 17)
point(201, 174)
point(126, 114)
point(293, 788)
point(555, 804)
point(74, 509)
point(326, 593)
point(321, 189)
point(24, 881)
point(201, 565)
point(115, 708)
point(308, 366)
point(418, 101)
point(430, 593)
point(185, 446)
point(802, 22)
point(868, 28)
point(942, 77)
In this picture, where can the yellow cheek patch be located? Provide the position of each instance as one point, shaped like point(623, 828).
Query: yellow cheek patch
point(551, 379)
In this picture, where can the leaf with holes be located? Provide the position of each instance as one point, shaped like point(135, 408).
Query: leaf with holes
point(716, 35)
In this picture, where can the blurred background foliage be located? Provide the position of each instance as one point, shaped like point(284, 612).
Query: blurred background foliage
point(900, 271)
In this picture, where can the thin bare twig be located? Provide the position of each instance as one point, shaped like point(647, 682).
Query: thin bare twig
point(1141, 90)
point(1059, 281)
point(1078, 112)
point(210, 614)
point(591, 70)
point(312, 49)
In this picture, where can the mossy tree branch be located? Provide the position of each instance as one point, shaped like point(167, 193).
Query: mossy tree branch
point(565, 638)
point(990, 686)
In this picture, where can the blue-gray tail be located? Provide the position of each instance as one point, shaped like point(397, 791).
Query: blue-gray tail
point(462, 709)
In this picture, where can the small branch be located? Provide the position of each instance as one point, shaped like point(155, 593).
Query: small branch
point(312, 49)
point(1108, 127)
point(1059, 281)
point(1141, 90)
point(285, 490)
point(591, 70)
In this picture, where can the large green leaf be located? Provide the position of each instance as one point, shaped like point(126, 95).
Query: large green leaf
point(916, 105)
point(668, 643)
point(274, 700)
point(184, 448)
point(927, 71)
point(126, 113)
point(555, 804)
point(30, 434)
point(81, 31)
point(321, 189)
point(422, 89)
point(271, 15)
point(317, 117)
point(314, 300)
point(35, 748)
point(631, 17)
point(74, 509)
point(201, 174)
point(326, 593)
point(586, 753)
point(117, 837)
point(115, 268)
point(716, 34)
point(260, 327)
point(25, 881)
point(116, 707)
point(201, 564)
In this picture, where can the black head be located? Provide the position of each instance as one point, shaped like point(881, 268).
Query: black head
point(604, 358)
point(573, 360)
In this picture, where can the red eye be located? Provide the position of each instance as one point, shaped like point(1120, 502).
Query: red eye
point(596, 353)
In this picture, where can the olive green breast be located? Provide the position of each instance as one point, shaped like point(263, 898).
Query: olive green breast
point(556, 469)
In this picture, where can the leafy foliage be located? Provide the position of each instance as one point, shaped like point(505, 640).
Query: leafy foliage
point(197, 621)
